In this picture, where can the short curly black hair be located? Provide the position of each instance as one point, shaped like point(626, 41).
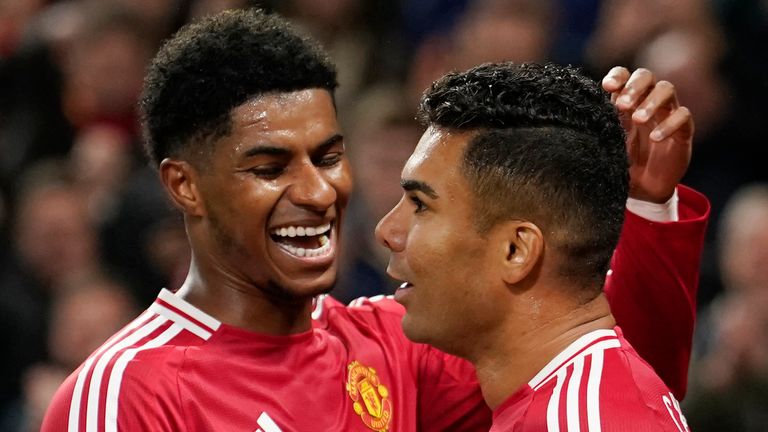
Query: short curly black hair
point(549, 148)
point(210, 67)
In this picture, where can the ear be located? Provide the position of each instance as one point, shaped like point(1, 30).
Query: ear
point(524, 248)
point(180, 181)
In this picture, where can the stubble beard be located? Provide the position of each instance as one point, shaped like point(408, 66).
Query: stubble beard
point(276, 292)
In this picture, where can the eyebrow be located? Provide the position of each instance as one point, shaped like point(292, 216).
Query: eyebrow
point(330, 142)
point(265, 149)
point(416, 185)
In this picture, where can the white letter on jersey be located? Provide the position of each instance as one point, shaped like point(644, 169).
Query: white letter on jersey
point(671, 403)
point(266, 424)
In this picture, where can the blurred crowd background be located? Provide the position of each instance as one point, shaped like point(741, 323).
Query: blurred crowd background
point(89, 238)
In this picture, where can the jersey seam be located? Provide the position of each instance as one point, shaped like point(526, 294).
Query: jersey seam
point(636, 387)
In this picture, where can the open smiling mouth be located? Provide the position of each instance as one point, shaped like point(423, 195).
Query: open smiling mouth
point(304, 241)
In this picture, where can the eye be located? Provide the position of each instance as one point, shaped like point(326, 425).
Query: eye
point(267, 171)
point(330, 159)
point(419, 204)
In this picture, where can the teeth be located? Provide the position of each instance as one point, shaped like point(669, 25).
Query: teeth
point(300, 231)
point(303, 252)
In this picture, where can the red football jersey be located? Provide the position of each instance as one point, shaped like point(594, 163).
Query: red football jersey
point(177, 369)
point(598, 383)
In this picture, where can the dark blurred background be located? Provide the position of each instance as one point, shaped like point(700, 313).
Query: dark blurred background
point(89, 238)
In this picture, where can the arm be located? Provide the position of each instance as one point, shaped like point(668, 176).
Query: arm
point(654, 279)
point(653, 283)
point(146, 402)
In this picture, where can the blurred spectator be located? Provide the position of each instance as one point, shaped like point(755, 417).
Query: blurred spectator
point(144, 242)
point(14, 16)
point(621, 33)
point(357, 35)
point(55, 235)
point(730, 390)
point(201, 8)
point(55, 243)
point(101, 161)
point(489, 30)
point(104, 68)
point(383, 134)
point(32, 124)
point(83, 316)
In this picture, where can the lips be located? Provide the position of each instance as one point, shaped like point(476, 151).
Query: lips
point(402, 291)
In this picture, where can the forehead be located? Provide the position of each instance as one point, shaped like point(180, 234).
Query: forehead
point(303, 116)
point(438, 155)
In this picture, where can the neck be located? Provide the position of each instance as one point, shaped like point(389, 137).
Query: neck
point(517, 356)
point(235, 302)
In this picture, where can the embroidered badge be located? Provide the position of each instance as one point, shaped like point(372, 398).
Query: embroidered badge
point(369, 396)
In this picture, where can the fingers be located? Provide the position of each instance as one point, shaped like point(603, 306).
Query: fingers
point(640, 83)
point(679, 121)
point(615, 79)
point(661, 100)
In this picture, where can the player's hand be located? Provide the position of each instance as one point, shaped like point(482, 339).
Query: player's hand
point(659, 132)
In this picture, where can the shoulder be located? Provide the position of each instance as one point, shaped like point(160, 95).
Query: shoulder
point(608, 386)
point(362, 305)
point(380, 311)
point(632, 393)
point(133, 373)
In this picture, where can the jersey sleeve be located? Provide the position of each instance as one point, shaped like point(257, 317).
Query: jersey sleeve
point(145, 400)
point(449, 393)
point(57, 415)
point(653, 283)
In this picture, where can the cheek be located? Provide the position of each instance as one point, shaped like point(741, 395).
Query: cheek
point(341, 178)
point(432, 247)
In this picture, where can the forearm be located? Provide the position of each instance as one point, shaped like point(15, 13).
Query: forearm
point(653, 284)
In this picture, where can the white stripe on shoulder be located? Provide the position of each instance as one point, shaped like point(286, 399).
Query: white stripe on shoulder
point(572, 395)
point(362, 300)
point(92, 409)
point(578, 345)
point(319, 301)
point(189, 309)
point(593, 392)
point(597, 347)
point(77, 394)
point(116, 377)
point(553, 407)
point(356, 302)
point(178, 319)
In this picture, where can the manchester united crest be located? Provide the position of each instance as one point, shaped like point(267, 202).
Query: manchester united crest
point(369, 396)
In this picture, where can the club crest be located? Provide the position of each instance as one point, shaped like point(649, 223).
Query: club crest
point(369, 396)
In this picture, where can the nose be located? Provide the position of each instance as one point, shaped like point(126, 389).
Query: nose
point(312, 189)
point(390, 231)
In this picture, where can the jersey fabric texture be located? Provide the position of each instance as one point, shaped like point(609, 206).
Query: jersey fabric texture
point(176, 368)
point(598, 383)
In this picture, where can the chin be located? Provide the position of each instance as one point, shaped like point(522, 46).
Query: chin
point(302, 290)
point(414, 331)
point(426, 332)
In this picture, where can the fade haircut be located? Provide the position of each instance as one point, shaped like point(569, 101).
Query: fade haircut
point(549, 149)
point(210, 67)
